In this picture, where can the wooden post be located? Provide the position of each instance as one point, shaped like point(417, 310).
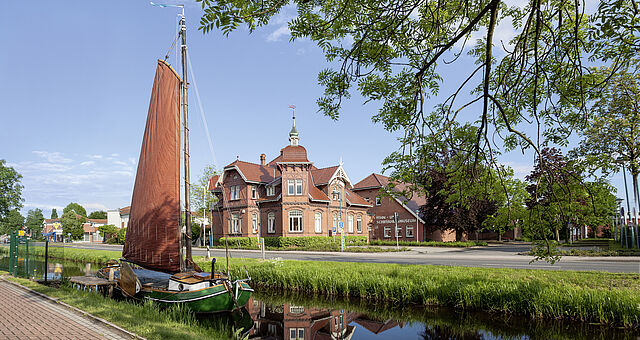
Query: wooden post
point(111, 273)
point(87, 269)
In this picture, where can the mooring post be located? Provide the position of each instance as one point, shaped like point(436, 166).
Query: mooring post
point(46, 259)
point(87, 269)
point(111, 273)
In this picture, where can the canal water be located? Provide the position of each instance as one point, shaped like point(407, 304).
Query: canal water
point(275, 315)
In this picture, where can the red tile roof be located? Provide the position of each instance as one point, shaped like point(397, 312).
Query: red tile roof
point(294, 154)
point(372, 181)
point(317, 194)
point(378, 181)
point(88, 228)
point(255, 172)
point(213, 181)
point(322, 176)
point(97, 220)
point(51, 220)
point(125, 210)
point(355, 199)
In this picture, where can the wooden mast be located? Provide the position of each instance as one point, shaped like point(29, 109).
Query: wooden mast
point(188, 261)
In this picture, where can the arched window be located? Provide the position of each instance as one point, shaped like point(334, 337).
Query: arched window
point(271, 220)
point(350, 222)
point(335, 221)
point(359, 223)
point(318, 222)
point(295, 221)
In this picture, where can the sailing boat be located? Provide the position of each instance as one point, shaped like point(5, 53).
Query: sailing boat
point(153, 266)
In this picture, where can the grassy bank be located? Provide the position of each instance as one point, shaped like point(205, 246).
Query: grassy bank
point(456, 244)
point(586, 296)
point(144, 319)
point(600, 297)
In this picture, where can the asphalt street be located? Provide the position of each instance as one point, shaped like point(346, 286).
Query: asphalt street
point(494, 256)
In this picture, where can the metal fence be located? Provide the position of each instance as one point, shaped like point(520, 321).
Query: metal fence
point(26, 258)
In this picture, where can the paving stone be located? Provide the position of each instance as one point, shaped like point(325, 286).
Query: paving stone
point(28, 316)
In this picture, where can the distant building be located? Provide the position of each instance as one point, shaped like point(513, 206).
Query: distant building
point(411, 227)
point(53, 230)
point(91, 232)
point(118, 217)
point(288, 196)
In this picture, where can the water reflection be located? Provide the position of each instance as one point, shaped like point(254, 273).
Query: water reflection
point(290, 317)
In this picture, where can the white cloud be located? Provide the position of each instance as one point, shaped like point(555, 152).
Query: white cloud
point(53, 180)
point(277, 34)
point(520, 170)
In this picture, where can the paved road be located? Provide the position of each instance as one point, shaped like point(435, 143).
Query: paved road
point(25, 315)
point(495, 256)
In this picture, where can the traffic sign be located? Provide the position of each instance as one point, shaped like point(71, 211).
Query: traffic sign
point(334, 229)
point(20, 232)
point(340, 226)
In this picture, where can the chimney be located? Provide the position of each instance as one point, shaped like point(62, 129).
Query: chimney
point(262, 159)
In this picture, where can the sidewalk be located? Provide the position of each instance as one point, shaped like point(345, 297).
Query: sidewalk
point(26, 315)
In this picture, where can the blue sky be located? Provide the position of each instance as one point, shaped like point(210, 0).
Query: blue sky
point(77, 78)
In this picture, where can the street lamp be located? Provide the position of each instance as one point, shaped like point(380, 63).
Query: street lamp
point(340, 224)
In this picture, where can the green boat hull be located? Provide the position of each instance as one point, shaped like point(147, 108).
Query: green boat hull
point(208, 300)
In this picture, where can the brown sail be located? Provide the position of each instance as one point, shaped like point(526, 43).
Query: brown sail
point(153, 231)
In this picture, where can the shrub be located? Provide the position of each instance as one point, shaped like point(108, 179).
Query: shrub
point(240, 242)
point(307, 242)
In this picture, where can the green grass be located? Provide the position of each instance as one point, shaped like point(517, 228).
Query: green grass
point(461, 244)
point(608, 298)
point(145, 319)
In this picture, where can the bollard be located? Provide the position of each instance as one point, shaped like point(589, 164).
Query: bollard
point(262, 246)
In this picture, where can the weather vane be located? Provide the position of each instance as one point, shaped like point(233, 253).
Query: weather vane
point(293, 107)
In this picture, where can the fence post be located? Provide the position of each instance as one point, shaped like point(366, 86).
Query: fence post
point(46, 259)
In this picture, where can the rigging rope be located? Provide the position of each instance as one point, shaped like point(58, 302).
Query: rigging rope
point(204, 119)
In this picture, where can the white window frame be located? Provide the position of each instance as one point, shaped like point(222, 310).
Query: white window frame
point(318, 222)
point(271, 221)
point(254, 193)
point(235, 224)
point(295, 220)
point(359, 223)
point(270, 190)
point(335, 221)
point(378, 201)
point(409, 232)
point(298, 187)
point(254, 222)
point(291, 185)
point(387, 232)
point(350, 223)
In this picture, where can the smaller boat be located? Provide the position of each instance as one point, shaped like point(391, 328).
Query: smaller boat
point(153, 265)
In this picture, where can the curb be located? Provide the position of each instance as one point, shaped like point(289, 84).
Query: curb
point(116, 328)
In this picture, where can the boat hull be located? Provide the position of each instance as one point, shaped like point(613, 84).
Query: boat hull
point(208, 300)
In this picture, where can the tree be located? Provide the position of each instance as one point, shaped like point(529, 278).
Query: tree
point(13, 221)
point(75, 207)
point(200, 196)
point(10, 190)
point(392, 53)
point(98, 215)
point(72, 224)
point(611, 137)
point(108, 231)
point(34, 222)
point(54, 213)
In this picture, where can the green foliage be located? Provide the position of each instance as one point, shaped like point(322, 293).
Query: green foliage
point(72, 224)
point(13, 221)
point(54, 213)
point(464, 244)
point(98, 215)
point(10, 190)
point(34, 222)
point(200, 195)
point(122, 235)
point(294, 242)
point(75, 207)
point(108, 231)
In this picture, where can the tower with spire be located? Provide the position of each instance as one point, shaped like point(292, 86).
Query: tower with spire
point(293, 134)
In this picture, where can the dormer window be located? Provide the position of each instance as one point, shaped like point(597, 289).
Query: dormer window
point(254, 193)
point(271, 191)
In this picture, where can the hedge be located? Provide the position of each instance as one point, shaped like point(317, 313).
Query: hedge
point(292, 241)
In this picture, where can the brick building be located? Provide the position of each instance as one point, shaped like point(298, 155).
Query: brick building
point(288, 196)
point(410, 226)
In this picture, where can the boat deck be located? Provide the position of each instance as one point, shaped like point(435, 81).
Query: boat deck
point(92, 283)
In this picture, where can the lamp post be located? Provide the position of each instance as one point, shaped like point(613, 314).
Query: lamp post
point(340, 224)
